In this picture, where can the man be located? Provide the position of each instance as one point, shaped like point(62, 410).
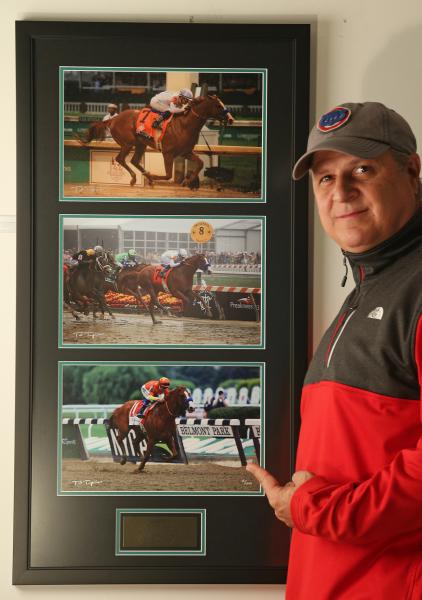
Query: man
point(155, 390)
point(128, 259)
point(172, 258)
point(355, 502)
point(167, 103)
point(84, 257)
point(219, 402)
point(111, 112)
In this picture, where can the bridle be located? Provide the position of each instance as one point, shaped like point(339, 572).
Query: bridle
point(169, 411)
point(225, 111)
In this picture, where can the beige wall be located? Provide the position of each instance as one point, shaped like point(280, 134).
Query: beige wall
point(363, 50)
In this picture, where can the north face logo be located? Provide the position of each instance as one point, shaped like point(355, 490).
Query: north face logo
point(377, 313)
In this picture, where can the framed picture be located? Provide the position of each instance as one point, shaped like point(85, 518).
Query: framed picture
point(162, 306)
point(113, 146)
point(226, 287)
point(212, 449)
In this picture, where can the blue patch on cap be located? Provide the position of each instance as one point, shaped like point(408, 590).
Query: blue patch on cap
point(334, 119)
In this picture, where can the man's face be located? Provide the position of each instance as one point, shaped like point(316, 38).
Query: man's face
point(362, 202)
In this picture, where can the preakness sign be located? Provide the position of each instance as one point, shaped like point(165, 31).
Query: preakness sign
point(162, 277)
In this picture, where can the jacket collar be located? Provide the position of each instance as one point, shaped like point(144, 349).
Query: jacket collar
point(366, 264)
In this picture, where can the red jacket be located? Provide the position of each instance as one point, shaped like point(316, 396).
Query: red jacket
point(358, 523)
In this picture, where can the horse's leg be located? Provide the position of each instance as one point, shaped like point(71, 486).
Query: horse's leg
point(153, 302)
point(192, 181)
point(81, 301)
point(148, 451)
point(74, 313)
point(171, 443)
point(156, 302)
point(105, 305)
point(120, 421)
point(120, 437)
point(96, 305)
point(168, 165)
point(137, 441)
point(128, 291)
point(98, 295)
point(136, 161)
point(137, 294)
point(121, 159)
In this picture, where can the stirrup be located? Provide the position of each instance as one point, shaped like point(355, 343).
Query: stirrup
point(144, 135)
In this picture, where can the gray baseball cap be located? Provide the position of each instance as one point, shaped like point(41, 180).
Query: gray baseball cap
point(365, 130)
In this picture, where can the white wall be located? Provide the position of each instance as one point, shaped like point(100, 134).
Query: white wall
point(253, 241)
point(364, 50)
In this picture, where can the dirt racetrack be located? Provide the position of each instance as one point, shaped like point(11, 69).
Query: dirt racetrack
point(134, 329)
point(158, 190)
point(103, 475)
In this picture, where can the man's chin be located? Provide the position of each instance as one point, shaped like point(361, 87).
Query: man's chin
point(355, 242)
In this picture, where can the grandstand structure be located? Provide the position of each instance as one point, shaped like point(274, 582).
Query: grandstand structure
point(237, 240)
point(88, 92)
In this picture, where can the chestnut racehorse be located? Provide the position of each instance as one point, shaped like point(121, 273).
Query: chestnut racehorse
point(141, 281)
point(181, 136)
point(159, 424)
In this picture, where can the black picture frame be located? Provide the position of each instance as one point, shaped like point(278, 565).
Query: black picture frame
point(67, 540)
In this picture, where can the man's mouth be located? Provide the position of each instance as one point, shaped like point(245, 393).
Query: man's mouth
point(354, 213)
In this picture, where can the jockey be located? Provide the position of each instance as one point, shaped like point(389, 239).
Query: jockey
point(172, 258)
point(155, 390)
point(99, 251)
point(167, 103)
point(128, 259)
point(101, 258)
point(83, 257)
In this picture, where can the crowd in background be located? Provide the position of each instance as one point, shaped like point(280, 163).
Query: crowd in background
point(215, 258)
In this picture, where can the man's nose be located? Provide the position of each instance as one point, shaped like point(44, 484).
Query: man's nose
point(344, 190)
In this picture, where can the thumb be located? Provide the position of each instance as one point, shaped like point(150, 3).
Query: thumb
point(300, 477)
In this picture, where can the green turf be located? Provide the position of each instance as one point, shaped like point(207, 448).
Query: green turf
point(238, 280)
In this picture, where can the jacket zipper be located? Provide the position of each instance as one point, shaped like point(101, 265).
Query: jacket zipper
point(338, 332)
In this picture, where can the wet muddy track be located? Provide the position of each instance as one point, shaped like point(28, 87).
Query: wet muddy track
point(138, 329)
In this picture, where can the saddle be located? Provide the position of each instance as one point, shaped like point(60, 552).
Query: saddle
point(144, 125)
point(137, 406)
point(158, 280)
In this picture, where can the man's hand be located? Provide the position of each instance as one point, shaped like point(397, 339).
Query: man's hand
point(279, 496)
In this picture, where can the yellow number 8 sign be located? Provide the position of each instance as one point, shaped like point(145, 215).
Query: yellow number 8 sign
point(201, 232)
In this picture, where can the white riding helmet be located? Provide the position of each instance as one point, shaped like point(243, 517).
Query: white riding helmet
point(185, 93)
point(98, 249)
point(183, 252)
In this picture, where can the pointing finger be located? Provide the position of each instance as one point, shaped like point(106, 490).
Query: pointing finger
point(268, 482)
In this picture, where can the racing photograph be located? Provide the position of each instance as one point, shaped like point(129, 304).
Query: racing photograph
point(137, 134)
point(159, 428)
point(162, 281)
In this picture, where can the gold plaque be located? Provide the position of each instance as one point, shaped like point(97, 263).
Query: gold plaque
point(201, 232)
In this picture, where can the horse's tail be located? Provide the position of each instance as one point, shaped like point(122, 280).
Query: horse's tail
point(97, 131)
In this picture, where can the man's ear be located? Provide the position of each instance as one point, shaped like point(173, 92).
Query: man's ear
point(414, 168)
